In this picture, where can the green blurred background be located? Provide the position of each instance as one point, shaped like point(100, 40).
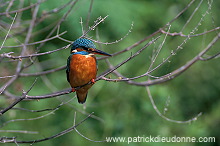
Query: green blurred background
point(120, 109)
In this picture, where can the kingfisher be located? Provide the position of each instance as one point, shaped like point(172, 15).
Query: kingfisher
point(81, 69)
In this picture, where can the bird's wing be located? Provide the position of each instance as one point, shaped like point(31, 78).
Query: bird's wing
point(68, 68)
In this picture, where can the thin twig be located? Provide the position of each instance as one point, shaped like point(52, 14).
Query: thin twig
point(38, 42)
point(38, 54)
point(74, 123)
point(8, 31)
point(89, 14)
point(164, 117)
point(19, 131)
point(24, 95)
point(22, 9)
point(48, 138)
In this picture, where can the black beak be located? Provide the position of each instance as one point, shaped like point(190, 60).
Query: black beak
point(99, 52)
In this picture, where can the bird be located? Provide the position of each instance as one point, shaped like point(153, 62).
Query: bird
point(81, 69)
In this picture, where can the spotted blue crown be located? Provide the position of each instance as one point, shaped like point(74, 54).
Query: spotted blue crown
point(82, 43)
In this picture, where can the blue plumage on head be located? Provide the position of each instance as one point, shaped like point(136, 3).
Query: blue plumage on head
point(82, 43)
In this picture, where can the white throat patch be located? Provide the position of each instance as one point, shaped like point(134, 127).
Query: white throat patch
point(89, 55)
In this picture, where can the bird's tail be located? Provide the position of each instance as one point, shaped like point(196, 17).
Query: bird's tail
point(81, 96)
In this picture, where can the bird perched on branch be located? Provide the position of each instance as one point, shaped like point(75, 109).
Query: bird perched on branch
point(81, 67)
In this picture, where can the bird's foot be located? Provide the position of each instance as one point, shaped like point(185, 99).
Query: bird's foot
point(93, 81)
point(73, 90)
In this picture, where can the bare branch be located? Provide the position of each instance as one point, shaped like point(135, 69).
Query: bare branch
point(22, 61)
point(210, 57)
point(8, 31)
point(43, 72)
point(89, 14)
point(22, 9)
point(194, 35)
point(34, 55)
point(96, 23)
point(38, 42)
point(72, 4)
point(193, 13)
point(119, 65)
point(18, 131)
point(168, 76)
point(117, 41)
point(82, 134)
point(14, 140)
point(24, 95)
point(164, 117)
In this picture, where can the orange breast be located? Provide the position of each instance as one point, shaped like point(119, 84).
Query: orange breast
point(82, 69)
